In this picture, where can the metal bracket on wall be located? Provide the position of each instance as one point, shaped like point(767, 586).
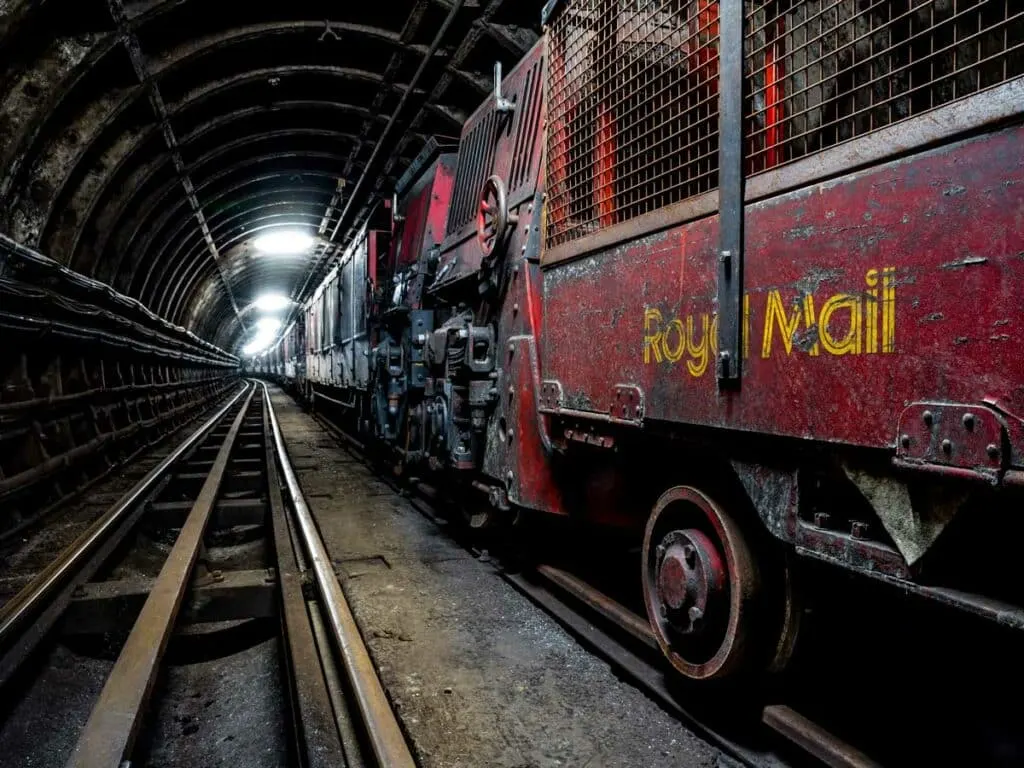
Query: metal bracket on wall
point(730, 194)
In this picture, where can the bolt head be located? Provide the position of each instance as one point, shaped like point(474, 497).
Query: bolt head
point(928, 417)
point(695, 613)
point(968, 421)
point(947, 446)
point(905, 440)
point(690, 554)
point(993, 451)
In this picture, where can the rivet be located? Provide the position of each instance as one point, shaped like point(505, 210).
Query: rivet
point(947, 446)
point(928, 418)
point(905, 441)
point(515, 307)
point(968, 421)
point(524, 248)
point(993, 451)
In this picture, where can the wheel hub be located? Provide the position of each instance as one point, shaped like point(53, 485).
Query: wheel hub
point(691, 579)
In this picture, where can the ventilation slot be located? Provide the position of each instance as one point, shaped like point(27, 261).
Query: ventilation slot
point(529, 118)
point(476, 155)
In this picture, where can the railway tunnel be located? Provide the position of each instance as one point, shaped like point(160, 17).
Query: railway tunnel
point(154, 147)
point(510, 382)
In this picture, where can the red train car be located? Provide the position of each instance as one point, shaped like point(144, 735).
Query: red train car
point(743, 278)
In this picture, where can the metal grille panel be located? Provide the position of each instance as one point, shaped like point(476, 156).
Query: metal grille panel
point(527, 120)
point(632, 110)
point(476, 152)
point(633, 89)
point(826, 71)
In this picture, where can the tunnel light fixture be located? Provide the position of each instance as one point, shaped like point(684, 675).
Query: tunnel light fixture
point(268, 324)
point(286, 242)
point(272, 302)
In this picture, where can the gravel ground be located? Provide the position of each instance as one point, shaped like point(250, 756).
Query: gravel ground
point(222, 712)
point(478, 674)
point(42, 728)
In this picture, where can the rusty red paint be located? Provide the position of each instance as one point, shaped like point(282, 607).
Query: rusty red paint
point(775, 96)
point(514, 155)
point(604, 160)
point(942, 221)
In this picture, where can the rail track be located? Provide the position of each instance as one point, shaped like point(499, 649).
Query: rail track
point(775, 735)
point(212, 551)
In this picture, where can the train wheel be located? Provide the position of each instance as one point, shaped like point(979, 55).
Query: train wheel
point(701, 584)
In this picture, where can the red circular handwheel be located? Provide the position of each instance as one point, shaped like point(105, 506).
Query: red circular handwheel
point(492, 217)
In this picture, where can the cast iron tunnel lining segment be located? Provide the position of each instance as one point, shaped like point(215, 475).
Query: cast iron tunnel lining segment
point(111, 106)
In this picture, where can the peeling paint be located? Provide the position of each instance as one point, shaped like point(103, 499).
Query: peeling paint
point(970, 261)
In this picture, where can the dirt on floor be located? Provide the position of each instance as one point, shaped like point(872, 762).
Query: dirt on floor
point(478, 674)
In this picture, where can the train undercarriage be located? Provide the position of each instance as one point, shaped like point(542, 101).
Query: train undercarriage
point(730, 298)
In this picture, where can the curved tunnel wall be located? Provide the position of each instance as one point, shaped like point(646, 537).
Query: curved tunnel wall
point(147, 142)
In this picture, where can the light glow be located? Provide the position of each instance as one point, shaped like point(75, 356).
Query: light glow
point(272, 302)
point(266, 335)
point(259, 343)
point(287, 242)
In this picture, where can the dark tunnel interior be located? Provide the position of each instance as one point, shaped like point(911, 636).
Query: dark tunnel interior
point(149, 143)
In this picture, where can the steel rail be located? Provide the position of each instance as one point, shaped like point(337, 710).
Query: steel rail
point(384, 733)
point(109, 734)
point(317, 738)
point(38, 592)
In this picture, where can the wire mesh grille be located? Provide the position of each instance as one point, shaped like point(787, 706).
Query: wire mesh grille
point(632, 110)
point(633, 89)
point(825, 71)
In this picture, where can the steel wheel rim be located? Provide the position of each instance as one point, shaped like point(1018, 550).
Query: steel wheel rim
point(727, 639)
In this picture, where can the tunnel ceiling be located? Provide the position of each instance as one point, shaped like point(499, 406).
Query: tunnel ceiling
point(146, 143)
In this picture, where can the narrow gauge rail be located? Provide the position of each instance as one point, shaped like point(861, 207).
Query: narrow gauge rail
point(626, 641)
point(230, 477)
